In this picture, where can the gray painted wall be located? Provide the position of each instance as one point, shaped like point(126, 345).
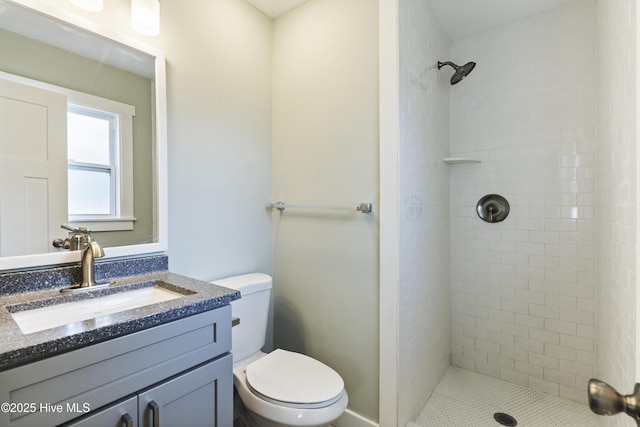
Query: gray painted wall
point(325, 152)
point(220, 84)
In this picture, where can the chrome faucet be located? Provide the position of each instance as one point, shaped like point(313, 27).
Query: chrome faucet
point(81, 240)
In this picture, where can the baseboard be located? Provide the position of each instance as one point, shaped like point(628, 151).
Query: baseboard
point(351, 419)
point(412, 424)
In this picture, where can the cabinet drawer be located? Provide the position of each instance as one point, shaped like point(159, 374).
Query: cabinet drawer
point(103, 373)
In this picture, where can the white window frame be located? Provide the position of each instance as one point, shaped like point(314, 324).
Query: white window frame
point(123, 219)
point(111, 167)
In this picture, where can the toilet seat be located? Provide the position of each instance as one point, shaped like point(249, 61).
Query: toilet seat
point(294, 380)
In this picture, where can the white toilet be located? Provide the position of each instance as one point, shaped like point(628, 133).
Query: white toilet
point(281, 388)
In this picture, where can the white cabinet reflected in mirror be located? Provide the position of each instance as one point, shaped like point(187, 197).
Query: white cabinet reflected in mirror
point(58, 74)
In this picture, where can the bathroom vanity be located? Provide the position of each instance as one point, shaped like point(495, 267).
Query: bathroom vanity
point(154, 347)
point(163, 364)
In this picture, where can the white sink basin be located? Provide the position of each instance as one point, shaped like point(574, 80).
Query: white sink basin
point(39, 319)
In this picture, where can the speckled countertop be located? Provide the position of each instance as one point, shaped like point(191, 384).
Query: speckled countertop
point(17, 348)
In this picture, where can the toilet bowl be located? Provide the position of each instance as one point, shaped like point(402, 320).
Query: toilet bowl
point(310, 398)
point(281, 388)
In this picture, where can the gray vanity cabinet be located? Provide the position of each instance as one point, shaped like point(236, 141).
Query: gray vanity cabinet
point(196, 398)
point(175, 374)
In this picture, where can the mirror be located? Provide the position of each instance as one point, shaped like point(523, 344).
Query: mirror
point(48, 48)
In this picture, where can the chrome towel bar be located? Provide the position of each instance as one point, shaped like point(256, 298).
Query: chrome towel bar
point(364, 207)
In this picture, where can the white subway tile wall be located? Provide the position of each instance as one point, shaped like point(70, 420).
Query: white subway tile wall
point(523, 290)
point(424, 208)
point(616, 51)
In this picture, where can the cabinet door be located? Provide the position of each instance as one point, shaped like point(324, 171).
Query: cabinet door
point(120, 414)
point(199, 398)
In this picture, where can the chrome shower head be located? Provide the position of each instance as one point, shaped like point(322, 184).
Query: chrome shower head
point(461, 71)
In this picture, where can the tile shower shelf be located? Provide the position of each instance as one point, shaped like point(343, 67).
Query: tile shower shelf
point(459, 160)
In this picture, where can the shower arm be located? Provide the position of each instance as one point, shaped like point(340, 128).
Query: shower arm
point(451, 64)
point(605, 400)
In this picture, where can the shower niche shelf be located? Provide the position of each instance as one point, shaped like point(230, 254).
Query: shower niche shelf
point(460, 160)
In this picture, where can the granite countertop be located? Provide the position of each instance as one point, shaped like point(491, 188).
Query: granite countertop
point(17, 348)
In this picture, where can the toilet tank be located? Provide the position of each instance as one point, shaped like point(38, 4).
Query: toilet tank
point(248, 337)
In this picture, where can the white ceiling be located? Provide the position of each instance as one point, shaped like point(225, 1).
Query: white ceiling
point(459, 18)
point(275, 8)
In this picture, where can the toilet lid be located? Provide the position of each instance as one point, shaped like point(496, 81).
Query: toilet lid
point(294, 378)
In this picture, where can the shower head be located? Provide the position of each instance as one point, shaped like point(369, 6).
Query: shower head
point(461, 72)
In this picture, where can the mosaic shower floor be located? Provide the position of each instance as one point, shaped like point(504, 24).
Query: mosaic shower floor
point(468, 399)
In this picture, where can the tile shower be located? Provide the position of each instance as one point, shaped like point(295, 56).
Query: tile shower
point(523, 290)
point(548, 122)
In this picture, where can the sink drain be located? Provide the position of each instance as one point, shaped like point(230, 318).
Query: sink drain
point(505, 419)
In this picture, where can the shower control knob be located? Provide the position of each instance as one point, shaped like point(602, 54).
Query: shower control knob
point(605, 400)
point(493, 208)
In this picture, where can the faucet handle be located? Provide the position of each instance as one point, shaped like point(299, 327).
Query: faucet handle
point(80, 230)
point(79, 240)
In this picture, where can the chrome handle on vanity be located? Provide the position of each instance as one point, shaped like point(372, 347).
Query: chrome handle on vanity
point(605, 400)
point(155, 412)
point(128, 420)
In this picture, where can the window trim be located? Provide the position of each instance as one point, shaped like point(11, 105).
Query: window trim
point(123, 219)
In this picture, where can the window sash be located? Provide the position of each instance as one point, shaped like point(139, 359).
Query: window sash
point(113, 192)
point(112, 168)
